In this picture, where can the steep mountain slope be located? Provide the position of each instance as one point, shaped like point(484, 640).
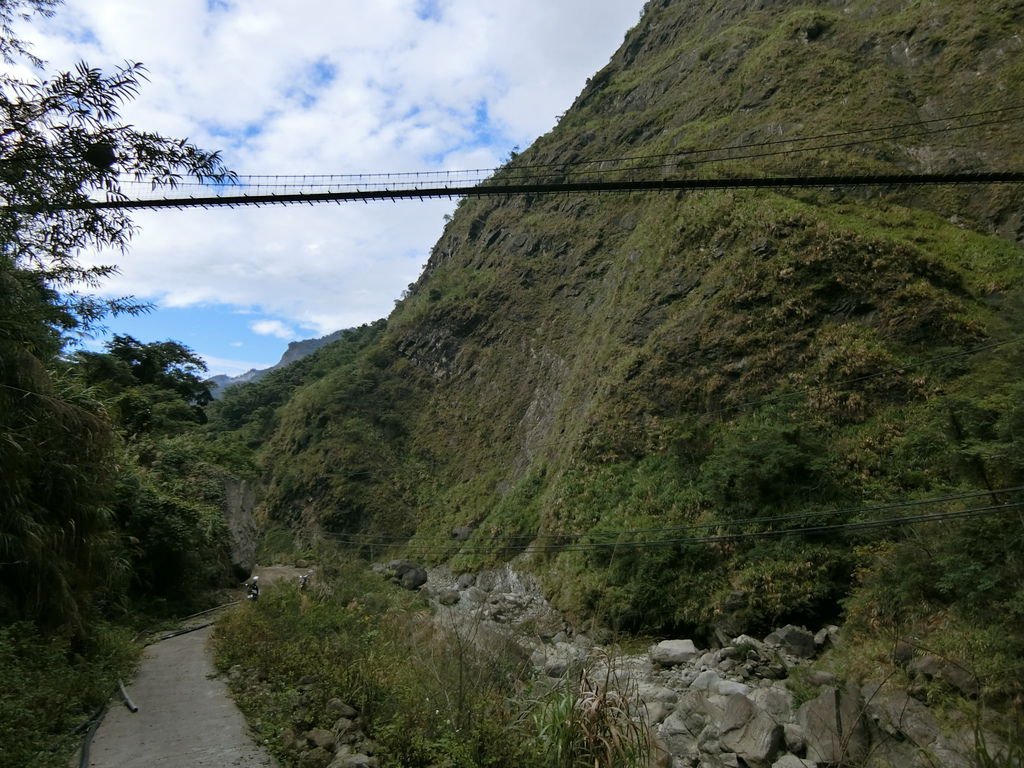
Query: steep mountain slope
point(618, 384)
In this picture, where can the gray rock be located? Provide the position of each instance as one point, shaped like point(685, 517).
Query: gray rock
point(706, 681)
point(650, 693)
point(793, 735)
point(656, 711)
point(670, 653)
point(462, 532)
point(407, 573)
point(355, 761)
point(834, 727)
point(679, 734)
point(315, 758)
point(414, 578)
point(776, 701)
point(827, 636)
point(927, 666)
point(954, 675)
point(819, 678)
point(902, 718)
point(730, 688)
point(796, 641)
point(448, 596)
point(749, 732)
point(340, 709)
point(792, 761)
point(321, 737)
point(465, 580)
point(476, 595)
point(556, 659)
point(344, 727)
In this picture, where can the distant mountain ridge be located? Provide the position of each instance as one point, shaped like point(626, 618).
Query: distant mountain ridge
point(296, 351)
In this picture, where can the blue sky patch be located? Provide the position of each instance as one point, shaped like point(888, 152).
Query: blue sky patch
point(428, 10)
point(216, 331)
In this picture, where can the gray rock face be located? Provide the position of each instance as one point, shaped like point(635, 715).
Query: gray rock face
point(239, 503)
point(905, 720)
point(834, 728)
point(750, 732)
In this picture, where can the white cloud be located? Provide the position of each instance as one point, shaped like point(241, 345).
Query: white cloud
point(272, 328)
point(328, 86)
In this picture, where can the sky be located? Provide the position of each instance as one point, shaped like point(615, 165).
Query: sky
point(317, 87)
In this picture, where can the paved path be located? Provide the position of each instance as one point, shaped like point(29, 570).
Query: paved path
point(186, 717)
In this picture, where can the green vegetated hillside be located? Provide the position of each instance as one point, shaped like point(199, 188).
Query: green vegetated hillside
point(616, 384)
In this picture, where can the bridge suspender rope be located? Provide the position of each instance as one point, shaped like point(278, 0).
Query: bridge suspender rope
point(230, 197)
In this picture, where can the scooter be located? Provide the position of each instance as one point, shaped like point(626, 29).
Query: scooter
point(253, 592)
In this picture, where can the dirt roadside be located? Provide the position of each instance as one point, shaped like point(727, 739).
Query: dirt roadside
point(186, 716)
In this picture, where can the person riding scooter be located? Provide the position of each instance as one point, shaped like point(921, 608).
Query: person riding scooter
point(253, 585)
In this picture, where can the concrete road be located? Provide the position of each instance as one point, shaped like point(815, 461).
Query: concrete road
point(186, 717)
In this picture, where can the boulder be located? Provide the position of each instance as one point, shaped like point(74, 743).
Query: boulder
point(794, 738)
point(339, 708)
point(834, 727)
point(354, 761)
point(706, 681)
point(681, 730)
point(465, 580)
point(414, 578)
point(827, 636)
point(344, 728)
point(669, 653)
point(777, 701)
point(953, 674)
point(749, 732)
point(556, 659)
point(321, 737)
point(448, 596)
point(730, 688)
point(902, 718)
point(407, 573)
point(796, 641)
point(792, 761)
point(315, 758)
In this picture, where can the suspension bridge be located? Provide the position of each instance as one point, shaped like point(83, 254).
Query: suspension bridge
point(730, 166)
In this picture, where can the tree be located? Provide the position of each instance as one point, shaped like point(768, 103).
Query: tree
point(155, 387)
point(62, 143)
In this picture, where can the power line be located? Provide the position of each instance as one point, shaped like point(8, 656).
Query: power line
point(841, 384)
point(379, 540)
point(479, 174)
point(867, 525)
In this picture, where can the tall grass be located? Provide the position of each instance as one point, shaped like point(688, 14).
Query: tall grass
point(593, 720)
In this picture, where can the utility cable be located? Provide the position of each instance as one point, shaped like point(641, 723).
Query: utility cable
point(271, 181)
point(378, 540)
point(887, 523)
